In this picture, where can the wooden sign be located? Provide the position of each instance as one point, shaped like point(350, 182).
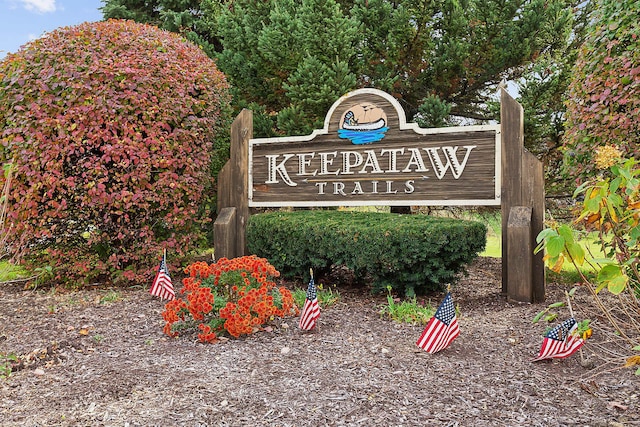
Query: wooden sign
point(367, 154)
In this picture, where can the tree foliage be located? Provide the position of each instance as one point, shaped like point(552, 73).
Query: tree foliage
point(604, 96)
point(185, 17)
point(294, 58)
point(542, 92)
point(109, 128)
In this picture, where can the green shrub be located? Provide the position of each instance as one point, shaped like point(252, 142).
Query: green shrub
point(110, 128)
point(410, 253)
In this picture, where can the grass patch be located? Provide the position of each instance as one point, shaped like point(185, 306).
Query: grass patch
point(110, 297)
point(494, 246)
point(327, 296)
point(407, 311)
point(9, 272)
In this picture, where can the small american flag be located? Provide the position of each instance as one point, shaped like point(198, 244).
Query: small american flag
point(311, 309)
point(162, 286)
point(561, 341)
point(442, 328)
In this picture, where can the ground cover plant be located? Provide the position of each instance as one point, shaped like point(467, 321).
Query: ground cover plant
point(107, 133)
point(407, 310)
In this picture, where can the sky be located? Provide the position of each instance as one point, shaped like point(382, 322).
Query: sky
point(25, 20)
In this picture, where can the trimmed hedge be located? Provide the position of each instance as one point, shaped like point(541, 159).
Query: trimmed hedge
point(410, 253)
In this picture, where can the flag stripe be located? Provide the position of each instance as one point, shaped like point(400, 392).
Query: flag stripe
point(562, 341)
point(442, 337)
point(558, 349)
point(441, 329)
point(431, 334)
point(162, 286)
point(311, 308)
point(310, 314)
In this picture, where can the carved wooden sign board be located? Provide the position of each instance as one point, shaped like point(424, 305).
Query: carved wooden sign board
point(367, 154)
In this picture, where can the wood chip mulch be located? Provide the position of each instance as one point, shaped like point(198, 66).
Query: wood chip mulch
point(87, 360)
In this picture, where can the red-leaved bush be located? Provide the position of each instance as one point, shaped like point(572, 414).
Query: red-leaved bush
point(109, 128)
point(604, 96)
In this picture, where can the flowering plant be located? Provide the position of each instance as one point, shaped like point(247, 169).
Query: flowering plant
point(234, 295)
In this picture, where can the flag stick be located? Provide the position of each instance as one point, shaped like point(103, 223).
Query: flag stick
point(582, 361)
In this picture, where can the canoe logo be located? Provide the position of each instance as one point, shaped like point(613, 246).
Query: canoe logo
point(363, 124)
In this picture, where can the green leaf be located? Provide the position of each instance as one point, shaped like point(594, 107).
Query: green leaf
point(567, 233)
point(615, 184)
point(581, 189)
point(577, 252)
point(545, 234)
point(557, 304)
point(538, 316)
point(592, 204)
point(555, 246)
point(609, 272)
point(612, 277)
point(617, 285)
point(604, 261)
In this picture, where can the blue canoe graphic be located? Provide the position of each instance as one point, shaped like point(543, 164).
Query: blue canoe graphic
point(362, 133)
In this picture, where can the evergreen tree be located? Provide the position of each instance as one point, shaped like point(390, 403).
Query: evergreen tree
point(293, 58)
point(186, 17)
point(542, 92)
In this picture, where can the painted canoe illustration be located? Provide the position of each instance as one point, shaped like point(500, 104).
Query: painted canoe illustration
point(351, 123)
point(378, 124)
point(362, 133)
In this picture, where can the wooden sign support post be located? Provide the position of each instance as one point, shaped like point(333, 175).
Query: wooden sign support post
point(523, 277)
point(229, 229)
point(367, 154)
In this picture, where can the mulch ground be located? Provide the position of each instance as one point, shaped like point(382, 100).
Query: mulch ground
point(98, 357)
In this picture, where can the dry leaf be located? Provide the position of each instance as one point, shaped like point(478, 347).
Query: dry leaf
point(83, 331)
point(632, 361)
